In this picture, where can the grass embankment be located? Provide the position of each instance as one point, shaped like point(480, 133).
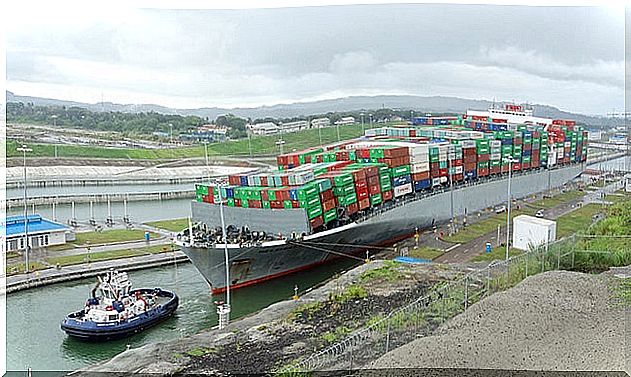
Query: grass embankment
point(428, 253)
point(108, 255)
point(18, 268)
point(259, 145)
point(173, 225)
point(490, 224)
point(114, 235)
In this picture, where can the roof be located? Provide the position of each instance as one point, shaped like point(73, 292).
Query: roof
point(14, 225)
point(533, 220)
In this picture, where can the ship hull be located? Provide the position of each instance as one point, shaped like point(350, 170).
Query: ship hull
point(253, 264)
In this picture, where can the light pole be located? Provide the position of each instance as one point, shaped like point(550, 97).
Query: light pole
point(171, 134)
point(411, 116)
point(25, 149)
point(370, 115)
point(206, 151)
point(226, 307)
point(249, 142)
point(337, 126)
point(510, 172)
point(451, 190)
point(363, 128)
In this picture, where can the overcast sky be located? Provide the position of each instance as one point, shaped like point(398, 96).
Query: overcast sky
point(569, 57)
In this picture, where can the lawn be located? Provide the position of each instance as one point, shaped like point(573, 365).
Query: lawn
point(557, 199)
point(425, 253)
point(577, 220)
point(107, 255)
point(259, 145)
point(174, 225)
point(114, 235)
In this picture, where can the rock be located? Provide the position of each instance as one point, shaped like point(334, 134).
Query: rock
point(297, 347)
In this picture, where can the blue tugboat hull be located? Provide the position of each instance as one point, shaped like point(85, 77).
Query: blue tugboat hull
point(92, 331)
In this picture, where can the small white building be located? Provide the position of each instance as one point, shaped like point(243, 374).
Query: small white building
point(41, 232)
point(346, 120)
point(530, 232)
point(294, 126)
point(320, 122)
point(267, 128)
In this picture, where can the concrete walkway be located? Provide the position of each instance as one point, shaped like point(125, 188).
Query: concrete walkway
point(79, 271)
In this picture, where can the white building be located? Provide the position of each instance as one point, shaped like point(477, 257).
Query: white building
point(594, 135)
point(267, 128)
point(41, 232)
point(529, 232)
point(320, 122)
point(345, 121)
point(294, 126)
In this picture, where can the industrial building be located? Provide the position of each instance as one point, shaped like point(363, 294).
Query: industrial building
point(530, 232)
point(294, 126)
point(346, 120)
point(41, 232)
point(320, 122)
point(267, 128)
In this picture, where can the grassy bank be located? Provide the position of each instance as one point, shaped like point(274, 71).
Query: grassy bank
point(174, 225)
point(108, 255)
point(114, 235)
point(258, 144)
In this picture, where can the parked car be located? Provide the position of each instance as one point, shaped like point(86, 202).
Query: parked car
point(539, 213)
point(500, 209)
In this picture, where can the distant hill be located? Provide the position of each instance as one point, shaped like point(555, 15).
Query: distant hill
point(355, 103)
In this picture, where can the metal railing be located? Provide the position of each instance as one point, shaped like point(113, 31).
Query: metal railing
point(442, 302)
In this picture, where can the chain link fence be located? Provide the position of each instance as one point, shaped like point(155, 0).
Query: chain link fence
point(444, 301)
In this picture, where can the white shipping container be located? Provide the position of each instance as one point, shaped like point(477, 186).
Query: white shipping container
point(529, 232)
point(419, 159)
point(435, 181)
point(495, 156)
point(443, 179)
point(458, 170)
point(552, 159)
point(402, 190)
point(560, 153)
point(567, 144)
point(419, 167)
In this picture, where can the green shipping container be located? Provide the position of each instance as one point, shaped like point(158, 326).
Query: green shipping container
point(201, 189)
point(376, 153)
point(343, 191)
point(400, 170)
point(330, 215)
point(314, 212)
point(310, 202)
point(348, 199)
point(230, 202)
point(244, 204)
point(307, 191)
point(287, 204)
point(375, 199)
point(198, 198)
point(266, 204)
point(343, 179)
point(271, 194)
point(323, 184)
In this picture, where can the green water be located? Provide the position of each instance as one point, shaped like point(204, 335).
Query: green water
point(35, 340)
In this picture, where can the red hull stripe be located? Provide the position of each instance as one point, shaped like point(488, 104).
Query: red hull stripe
point(301, 268)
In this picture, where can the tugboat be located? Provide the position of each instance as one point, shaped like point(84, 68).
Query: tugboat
point(115, 310)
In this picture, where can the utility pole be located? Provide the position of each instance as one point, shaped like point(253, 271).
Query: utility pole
point(363, 127)
point(224, 310)
point(24, 149)
point(510, 172)
point(451, 190)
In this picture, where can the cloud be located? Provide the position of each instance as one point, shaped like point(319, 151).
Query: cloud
point(193, 58)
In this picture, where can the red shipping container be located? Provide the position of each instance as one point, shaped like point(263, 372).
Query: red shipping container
point(316, 222)
point(387, 195)
point(361, 184)
point(434, 166)
point(255, 203)
point(264, 182)
point(374, 189)
point(395, 152)
point(458, 177)
point(361, 193)
point(470, 166)
point(504, 169)
point(470, 159)
point(352, 208)
point(276, 204)
point(443, 172)
point(327, 195)
point(517, 166)
point(362, 153)
point(295, 204)
point(205, 198)
point(328, 205)
point(237, 202)
point(364, 203)
point(235, 179)
point(284, 180)
point(371, 171)
point(435, 173)
point(264, 195)
point(284, 194)
point(358, 175)
point(341, 155)
point(525, 165)
point(412, 133)
point(420, 176)
point(483, 172)
point(484, 157)
point(456, 162)
point(373, 181)
point(494, 170)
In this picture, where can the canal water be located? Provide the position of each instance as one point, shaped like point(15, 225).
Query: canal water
point(35, 340)
point(18, 192)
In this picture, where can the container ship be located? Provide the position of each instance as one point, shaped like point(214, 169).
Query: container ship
point(343, 199)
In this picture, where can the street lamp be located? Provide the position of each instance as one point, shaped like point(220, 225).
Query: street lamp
point(510, 172)
point(24, 149)
point(363, 129)
point(370, 115)
point(171, 134)
point(225, 309)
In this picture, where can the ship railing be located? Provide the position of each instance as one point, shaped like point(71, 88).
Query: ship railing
point(435, 306)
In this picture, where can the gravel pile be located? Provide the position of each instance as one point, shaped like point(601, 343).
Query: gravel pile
point(554, 321)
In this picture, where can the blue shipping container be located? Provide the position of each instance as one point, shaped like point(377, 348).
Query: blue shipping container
point(421, 185)
point(244, 181)
point(402, 180)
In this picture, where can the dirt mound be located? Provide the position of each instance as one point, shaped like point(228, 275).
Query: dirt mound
point(553, 321)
